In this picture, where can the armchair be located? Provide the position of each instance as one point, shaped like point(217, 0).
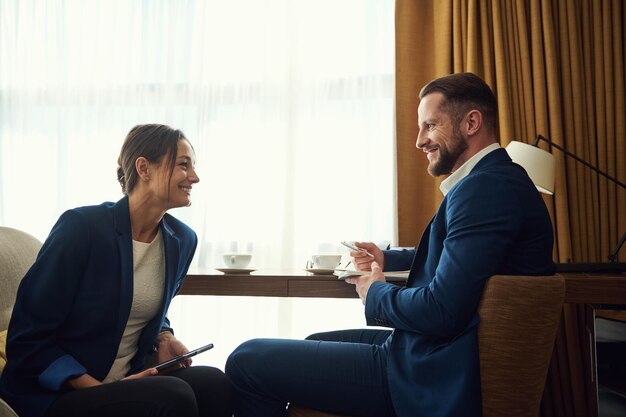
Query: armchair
point(18, 251)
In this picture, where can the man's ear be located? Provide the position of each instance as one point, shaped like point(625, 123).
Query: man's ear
point(143, 169)
point(473, 122)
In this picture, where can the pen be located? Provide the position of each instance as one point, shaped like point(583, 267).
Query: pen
point(351, 246)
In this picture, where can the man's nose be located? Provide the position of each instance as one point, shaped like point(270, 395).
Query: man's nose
point(422, 139)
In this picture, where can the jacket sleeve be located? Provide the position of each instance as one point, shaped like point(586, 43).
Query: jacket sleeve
point(398, 260)
point(44, 299)
point(483, 218)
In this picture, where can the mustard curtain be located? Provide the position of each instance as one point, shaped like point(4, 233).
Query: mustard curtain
point(557, 68)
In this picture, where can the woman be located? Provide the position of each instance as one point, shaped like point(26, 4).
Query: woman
point(92, 308)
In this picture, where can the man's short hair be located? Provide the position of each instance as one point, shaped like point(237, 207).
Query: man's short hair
point(463, 92)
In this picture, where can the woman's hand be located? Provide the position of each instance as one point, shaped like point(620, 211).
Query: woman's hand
point(168, 347)
point(87, 381)
point(83, 381)
point(142, 374)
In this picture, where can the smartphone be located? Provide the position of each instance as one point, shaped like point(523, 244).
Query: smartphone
point(183, 357)
point(352, 246)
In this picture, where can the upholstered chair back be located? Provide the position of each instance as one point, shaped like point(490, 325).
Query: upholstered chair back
point(18, 251)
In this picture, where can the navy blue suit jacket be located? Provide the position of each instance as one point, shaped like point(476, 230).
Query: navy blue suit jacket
point(73, 304)
point(492, 222)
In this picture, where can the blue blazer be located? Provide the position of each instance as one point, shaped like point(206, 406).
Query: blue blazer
point(492, 222)
point(73, 304)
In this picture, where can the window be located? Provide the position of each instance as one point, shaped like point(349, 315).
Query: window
point(288, 104)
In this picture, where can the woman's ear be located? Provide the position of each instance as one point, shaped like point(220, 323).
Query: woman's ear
point(143, 169)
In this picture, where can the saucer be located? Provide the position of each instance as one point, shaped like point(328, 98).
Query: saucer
point(236, 270)
point(320, 271)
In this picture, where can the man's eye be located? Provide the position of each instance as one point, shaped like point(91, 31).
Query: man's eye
point(429, 126)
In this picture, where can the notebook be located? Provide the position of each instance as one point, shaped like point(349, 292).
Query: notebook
point(389, 275)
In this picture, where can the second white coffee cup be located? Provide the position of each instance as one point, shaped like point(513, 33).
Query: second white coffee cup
point(237, 260)
point(325, 261)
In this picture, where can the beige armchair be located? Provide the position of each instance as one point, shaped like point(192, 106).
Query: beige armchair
point(519, 320)
point(18, 251)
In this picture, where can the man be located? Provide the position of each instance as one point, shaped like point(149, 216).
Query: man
point(491, 221)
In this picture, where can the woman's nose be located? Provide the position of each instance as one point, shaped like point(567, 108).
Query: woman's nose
point(194, 176)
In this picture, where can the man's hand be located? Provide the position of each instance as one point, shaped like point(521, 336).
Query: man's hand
point(363, 282)
point(168, 347)
point(362, 261)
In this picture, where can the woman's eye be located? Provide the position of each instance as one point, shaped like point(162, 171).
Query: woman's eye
point(184, 164)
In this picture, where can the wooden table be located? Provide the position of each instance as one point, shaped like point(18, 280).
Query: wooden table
point(268, 283)
point(582, 288)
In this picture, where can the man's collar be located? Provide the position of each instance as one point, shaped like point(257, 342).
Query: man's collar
point(447, 184)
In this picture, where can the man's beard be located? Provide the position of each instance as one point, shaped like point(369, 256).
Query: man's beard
point(448, 156)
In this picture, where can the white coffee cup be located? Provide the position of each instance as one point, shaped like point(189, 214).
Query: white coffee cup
point(325, 261)
point(236, 260)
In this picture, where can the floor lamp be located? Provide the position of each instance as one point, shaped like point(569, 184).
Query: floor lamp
point(540, 166)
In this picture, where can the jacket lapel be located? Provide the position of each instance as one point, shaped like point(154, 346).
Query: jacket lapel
point(420, 254)
point(121, 216)
point(172, 253)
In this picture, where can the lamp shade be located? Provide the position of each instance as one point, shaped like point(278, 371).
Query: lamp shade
point(539, 164)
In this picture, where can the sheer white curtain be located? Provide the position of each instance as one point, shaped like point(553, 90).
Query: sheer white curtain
point(288, 104)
